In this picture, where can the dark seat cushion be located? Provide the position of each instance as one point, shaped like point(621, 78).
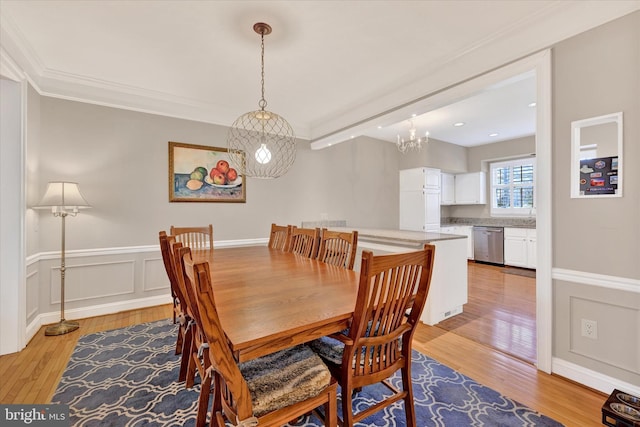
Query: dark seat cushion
point(284, 378)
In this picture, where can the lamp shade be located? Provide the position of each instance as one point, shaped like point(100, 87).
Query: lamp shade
point(65, 195)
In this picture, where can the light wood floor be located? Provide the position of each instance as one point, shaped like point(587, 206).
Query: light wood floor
point(500, 313)
point(32, 375)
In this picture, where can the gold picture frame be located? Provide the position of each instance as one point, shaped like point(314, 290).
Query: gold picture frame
point(192, 177)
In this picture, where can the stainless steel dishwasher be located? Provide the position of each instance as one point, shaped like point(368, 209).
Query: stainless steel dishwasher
point(488, 244)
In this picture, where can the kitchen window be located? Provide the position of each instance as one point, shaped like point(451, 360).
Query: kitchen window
point(513, 188)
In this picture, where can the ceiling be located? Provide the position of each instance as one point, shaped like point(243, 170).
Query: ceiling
point(333, 69)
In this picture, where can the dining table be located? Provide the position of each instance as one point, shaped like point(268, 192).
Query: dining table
point(269, 300)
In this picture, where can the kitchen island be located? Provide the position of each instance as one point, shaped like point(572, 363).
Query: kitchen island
point(448, 291)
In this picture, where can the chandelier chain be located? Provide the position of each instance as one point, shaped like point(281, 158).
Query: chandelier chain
point(263, 102)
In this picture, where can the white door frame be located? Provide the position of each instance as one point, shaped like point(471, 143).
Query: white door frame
point(13, 208)
point(538, 64)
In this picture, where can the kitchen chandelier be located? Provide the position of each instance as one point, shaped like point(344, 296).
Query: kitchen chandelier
point(261, 144)
point(414, 142)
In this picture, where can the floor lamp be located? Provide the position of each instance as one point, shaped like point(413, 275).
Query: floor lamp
point(64, 199)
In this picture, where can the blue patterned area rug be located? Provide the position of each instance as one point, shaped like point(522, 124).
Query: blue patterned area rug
point(128, 377)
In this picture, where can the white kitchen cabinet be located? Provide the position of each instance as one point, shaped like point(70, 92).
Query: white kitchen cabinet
point(420, 199)
point(420, 210)
point(471, 188)
point(448, 191)
point(463, 188)
point(419, 179)
point(520, 247)
point(463, 230)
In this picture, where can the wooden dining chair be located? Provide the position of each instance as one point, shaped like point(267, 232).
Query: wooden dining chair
point(304, 241)
point(179, 302)
point(338, 248)
point(194, 237)
point(267, 391)
point(279, 237)
point(196, 345)
point(392, 293)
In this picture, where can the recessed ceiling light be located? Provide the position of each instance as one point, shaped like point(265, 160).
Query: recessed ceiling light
point(379, 126)
point(494, 134)
point(353, 136)
point(458, 124)
point(533, 104)
point(413, 115)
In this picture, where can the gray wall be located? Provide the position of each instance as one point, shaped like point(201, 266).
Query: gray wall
point(596, 73)
point(437, 154)
point(120, 160)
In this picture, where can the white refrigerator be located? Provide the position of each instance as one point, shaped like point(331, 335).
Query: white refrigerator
point(420, 199)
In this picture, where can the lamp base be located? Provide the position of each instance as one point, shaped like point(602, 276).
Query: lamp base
point(61, 328)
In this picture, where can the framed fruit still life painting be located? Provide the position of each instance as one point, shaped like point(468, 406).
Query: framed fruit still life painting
point(198, 173)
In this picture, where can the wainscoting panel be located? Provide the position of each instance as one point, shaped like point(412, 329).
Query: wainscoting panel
point(613, 321)
point(154, 275)
point(95, 280)
point(613, 352)
point(33, 294)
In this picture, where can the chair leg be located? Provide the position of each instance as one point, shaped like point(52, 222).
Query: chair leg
point(347, 406)
point(180, 340)
point(217, 419)
point(186, 354)
point(331, 408)
point(409, 409)
point(192, 365)
point(203, 401)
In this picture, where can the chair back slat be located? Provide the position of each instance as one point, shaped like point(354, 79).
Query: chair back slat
point(304, 241)
point(338, 248)
point(279, 237)
point(222, 361)
point(194, 237)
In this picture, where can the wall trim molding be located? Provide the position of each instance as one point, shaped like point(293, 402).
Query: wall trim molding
point(593, 279)
point(590, 378)
point(80, 253)
point(95, 310)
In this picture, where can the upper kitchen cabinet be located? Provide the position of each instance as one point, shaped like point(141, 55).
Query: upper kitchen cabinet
point(419, 179)
point(448, 190)
point(464, 188)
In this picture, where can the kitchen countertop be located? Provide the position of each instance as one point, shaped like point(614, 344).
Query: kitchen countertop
point(413, 238)
point(488, 225)
point(489, 222)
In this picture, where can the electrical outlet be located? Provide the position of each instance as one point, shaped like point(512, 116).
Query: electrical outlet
point(590, 329)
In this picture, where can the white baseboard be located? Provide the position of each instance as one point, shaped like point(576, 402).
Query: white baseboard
point(96, 310)
point(590, 378)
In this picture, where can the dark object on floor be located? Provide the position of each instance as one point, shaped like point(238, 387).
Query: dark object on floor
point(519, 271)
point(621, 410)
